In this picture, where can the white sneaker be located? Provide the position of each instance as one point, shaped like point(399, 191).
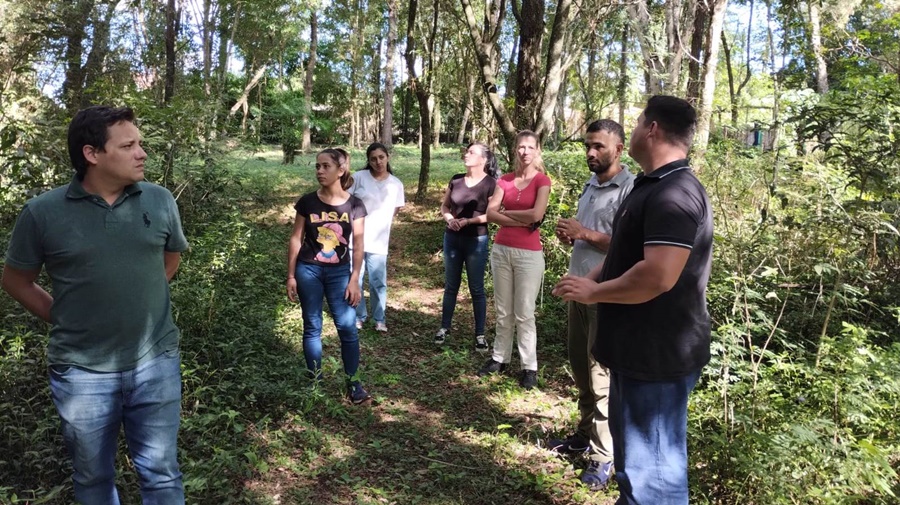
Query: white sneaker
point(441, 336)
point(359, 324)
point(380, 327)
point(481, 344)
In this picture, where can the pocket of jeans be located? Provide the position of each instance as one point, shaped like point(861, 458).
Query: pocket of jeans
point(60, 370)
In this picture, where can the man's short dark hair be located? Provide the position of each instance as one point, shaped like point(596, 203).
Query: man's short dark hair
point(607, 125)
point(90, 127)
point(675, 116)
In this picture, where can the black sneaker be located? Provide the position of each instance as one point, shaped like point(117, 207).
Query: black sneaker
point(441, 336)
point(570, 446)
point(357, 393)
point(528, 379)
point(491, 366)
point(481, 344)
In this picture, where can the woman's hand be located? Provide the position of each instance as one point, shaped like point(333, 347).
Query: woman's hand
point(352, 294)
point(292, 289)
point(457, 224)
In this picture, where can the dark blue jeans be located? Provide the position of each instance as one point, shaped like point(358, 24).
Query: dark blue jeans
point(93, 406)
point(315, 283)
point(648, 421)
point(460, 250)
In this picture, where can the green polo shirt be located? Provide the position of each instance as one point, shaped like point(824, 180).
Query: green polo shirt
point(111, 309)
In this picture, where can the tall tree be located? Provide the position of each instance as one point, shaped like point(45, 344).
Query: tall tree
point(815, 42)
point(387, 125)
point(710, 62)
point(417, 86)
point(306, 140)
point(171, 36)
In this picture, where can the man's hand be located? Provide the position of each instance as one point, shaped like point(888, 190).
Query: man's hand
point(576, 289)
point(571, 229)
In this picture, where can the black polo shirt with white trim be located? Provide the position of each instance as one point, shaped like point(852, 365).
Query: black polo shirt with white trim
point(667, 337)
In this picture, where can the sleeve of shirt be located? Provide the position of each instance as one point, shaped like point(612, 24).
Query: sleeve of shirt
point(543, 180)
point(673, 216)
point(26, 250)
point(176, 242)
point(401, 197)
point(357, 209)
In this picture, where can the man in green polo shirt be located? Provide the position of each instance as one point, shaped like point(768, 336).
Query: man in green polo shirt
point(110, 243)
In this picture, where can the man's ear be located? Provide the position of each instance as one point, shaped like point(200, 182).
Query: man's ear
point(90, 154)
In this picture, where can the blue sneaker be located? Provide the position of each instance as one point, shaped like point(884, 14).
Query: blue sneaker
point(596, 476)
point(357, 393)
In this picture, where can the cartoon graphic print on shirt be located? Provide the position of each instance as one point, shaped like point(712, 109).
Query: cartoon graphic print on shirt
point(330, 236)
point(328, 229)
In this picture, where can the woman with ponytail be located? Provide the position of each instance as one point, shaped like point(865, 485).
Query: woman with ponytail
point(319, 264)
point(466, 237)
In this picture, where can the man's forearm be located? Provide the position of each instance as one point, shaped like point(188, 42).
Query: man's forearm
point(31, 296)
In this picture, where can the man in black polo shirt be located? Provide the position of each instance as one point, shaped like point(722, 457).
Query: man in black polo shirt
point(654, 329)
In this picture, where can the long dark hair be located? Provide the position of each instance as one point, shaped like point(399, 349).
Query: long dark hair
point(342, 159)
point(491, 167)
point(374, 146)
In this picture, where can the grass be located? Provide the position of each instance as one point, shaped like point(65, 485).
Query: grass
point(255, 432)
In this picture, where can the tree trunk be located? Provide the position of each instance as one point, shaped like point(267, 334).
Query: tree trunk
point(467, 111)
point(815, 39)
point(484, 42)
point(711, 53)
point(530, 19)
point(417, 87)
point(73, 83)
point(387, 126)
point(623, 76)
point(306, 140)
point(556, 66)
point(94, 65)
point(171, 33)
point(701, 17)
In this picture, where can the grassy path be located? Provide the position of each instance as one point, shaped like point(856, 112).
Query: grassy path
point(435, 433)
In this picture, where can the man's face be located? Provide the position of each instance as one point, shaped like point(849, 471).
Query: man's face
point(602, 149)
point(637, 142)
point(122, 158)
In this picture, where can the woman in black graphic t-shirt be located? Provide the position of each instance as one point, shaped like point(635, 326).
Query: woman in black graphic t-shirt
point(319, 264)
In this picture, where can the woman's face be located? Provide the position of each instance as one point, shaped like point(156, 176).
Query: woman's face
point(327, 170)
point(378, 161)
point(527, 150)
point(474, 156)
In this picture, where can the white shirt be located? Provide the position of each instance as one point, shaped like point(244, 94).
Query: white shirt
point(381, 198)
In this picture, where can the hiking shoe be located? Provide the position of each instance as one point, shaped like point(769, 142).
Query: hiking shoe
point(359, 324)
point(441, 336)
point(380, 326)
point(481, 344)
point(528, 379)
point(491, 366)
point(596, 476)
point(357, 393)
point(569, 446)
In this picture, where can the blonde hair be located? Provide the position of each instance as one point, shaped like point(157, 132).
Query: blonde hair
point(342, 159)
point(538, 159)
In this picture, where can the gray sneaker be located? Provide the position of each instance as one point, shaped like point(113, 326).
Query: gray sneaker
point(441, 336)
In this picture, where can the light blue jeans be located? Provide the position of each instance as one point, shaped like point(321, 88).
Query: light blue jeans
point(316, 283)
point(375, 265)
point(648, 421)
point(93, 405)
